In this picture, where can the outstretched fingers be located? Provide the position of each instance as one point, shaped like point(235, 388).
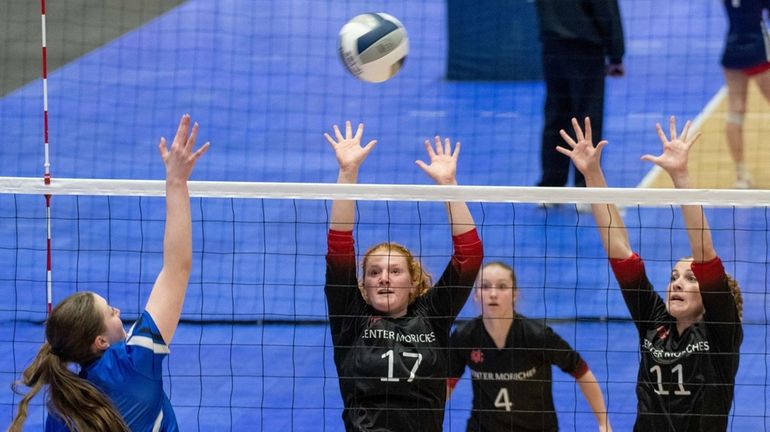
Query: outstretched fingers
point(568, 139)
point(369, 146)
point(181, 130)
point(447, 146)
point(162, 148)
point(429, 149)
point(578, 131)
point(650, 158)
point(198, 153)
point(439, 148)
point(672, 127)
point(330, 140)
point(587, 129)
point(661, 134)
point(600, 146)
point(456, 152)
point(190, 142)
point(359, 132)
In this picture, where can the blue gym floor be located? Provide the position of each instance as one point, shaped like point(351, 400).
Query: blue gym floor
point(263, 79)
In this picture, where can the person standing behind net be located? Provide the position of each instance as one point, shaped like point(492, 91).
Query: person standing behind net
point(120, 386)
point(690, 342)
point(510, 358)
point(582, 42)
point(390, 329)
point(745, 57)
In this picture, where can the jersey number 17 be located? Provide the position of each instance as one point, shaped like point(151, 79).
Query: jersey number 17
point(389, 354)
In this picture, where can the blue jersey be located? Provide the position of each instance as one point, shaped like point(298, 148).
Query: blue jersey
point(129, 373)
point(747, 43)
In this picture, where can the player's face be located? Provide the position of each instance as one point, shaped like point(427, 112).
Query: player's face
point(113, 326)
point(683, 295)
point(495, 292)
point(387, 282)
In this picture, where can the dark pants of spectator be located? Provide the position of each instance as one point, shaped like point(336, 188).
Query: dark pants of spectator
point(574, 77)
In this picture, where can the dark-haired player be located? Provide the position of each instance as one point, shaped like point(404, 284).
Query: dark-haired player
point(690, 342)
point(390, 329)
point(510, 358)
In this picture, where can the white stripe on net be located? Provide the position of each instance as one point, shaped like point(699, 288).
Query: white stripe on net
point(390, 192)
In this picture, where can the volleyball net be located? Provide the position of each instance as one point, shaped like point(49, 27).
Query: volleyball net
point(264, 80)
point(254, 348)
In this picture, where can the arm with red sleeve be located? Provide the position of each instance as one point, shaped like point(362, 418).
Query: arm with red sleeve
point(448, 295)
point(645, 305)
point(721, 313)
point(342, 296)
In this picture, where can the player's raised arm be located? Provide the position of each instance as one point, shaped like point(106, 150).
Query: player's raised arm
point(167, 296)
point(673, 160)
point(587, 160)
point(443, 170)
point(350, 156)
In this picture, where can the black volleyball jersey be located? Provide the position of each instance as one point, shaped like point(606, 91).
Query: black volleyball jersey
point(747, 44)
point(685, 382)
point(392, 371)
point(512, 386)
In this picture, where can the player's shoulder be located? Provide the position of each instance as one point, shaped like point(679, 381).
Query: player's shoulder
point(537, 325)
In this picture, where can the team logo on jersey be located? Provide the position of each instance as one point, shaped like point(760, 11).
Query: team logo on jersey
point(477, 356)
point(663, 332)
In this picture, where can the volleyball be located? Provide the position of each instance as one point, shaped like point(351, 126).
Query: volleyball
point(373, 46)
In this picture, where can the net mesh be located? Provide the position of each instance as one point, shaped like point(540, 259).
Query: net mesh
point(263, 79)
point(254, 347)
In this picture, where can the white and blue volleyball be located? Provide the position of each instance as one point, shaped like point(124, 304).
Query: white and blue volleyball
point(373, 46)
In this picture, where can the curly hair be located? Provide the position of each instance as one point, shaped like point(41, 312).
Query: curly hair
point(735, 290)
point(422, 281)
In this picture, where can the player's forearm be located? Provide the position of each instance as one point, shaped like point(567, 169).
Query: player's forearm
point(699, 233)
point(177, 239)
point(460, 218)
point(612, 229)
point(593, 395)
point(344, 211)
point(698, 230)
point(167, 295)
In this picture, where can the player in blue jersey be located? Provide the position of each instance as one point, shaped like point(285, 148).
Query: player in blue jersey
point(746, 56)
point(390, 329)
point(510, 358)
point(120, 387)
point(690, 341)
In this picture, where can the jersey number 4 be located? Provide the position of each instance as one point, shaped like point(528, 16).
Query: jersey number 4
point(503, 400)
point(389, 354)
point(680, 391)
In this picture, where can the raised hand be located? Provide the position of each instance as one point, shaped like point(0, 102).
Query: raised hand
point(676, 150)
point(180, 158)
point(350, 154)
point(584, 155)
point(443, 161)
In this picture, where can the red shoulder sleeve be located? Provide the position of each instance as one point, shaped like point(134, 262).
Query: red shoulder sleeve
point(629, 269)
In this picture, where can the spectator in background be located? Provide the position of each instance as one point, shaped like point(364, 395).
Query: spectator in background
point(582, 42)
point(745, 56)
